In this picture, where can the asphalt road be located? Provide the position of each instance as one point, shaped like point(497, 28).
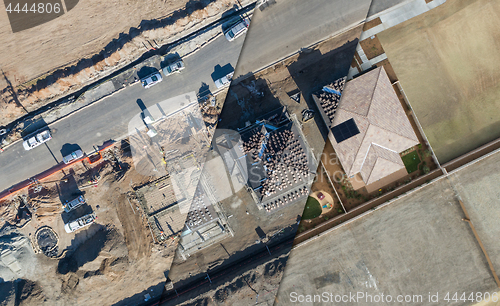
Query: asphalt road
point(289, 25)
point(109, 118)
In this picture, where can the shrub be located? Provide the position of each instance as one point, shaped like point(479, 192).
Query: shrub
point(426, 169)
point(326, 218)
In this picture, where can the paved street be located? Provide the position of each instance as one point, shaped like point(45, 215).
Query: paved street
point(108, 119)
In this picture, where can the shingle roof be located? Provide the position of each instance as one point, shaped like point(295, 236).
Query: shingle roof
point(385, 131)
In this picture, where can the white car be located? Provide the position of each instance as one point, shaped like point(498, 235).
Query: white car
point(151, 80)
point(224, 81)
point(37, 140)
point(174, 68)
point(73, 156)
point(236, 30)
point(73, 204)
point(79, 223)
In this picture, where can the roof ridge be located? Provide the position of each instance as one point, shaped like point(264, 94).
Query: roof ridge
point(371, 170)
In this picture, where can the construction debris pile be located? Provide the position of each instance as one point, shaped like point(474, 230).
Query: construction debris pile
point(279, 168)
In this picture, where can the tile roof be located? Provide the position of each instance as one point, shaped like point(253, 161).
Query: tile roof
point(385, 131)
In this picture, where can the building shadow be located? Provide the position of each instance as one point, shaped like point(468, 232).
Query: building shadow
point(247, 101)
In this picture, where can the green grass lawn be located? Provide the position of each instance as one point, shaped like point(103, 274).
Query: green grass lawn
point(411, 161)
point(312, 209)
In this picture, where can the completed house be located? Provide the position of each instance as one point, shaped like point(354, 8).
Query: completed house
point(369, 130)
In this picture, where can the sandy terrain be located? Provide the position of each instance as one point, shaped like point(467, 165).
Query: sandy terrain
point(83, 31)
point(447, 63)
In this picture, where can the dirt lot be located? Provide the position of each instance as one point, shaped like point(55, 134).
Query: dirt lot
point(447, 63)
point(306, 72)
point(46, 62)
point(111, 261)
point(478, 187)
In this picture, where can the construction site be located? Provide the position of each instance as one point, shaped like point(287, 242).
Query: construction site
point(109, 220)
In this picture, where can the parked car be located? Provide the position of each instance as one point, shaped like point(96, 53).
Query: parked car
point(236, 30)
point(174, 68)
point(79, 223)
point(151, 80)
point(73, 204)
point(321, 196)
point(224, 81)
point(73, 156)
point(37, 140)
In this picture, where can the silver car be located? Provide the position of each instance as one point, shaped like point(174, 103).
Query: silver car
point(73, 156)
point(79, 223)
point(173, 68)
point(151, 80)
point(73, 204)
point(236, 30)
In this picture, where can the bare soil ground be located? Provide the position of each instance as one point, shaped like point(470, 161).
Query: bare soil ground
point(424, 251)
point(46, 62)
point(257, 286)
point(447, 62)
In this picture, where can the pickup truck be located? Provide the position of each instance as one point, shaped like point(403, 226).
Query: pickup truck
point(79, 223)
point(73, 204)
point(37, 140)
point(151, 80)
point(174, 68)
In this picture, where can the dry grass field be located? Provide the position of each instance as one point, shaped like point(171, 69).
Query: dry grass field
point(448, 63)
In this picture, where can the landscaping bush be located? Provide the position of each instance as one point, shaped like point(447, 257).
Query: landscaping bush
point(426, 169)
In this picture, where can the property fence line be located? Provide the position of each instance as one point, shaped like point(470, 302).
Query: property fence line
point(333, 186)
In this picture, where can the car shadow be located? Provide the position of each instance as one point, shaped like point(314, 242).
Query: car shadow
point(145, 71)
point(221, 71)
point(69, 148)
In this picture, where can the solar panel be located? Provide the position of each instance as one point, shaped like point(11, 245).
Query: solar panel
point(345, 130)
